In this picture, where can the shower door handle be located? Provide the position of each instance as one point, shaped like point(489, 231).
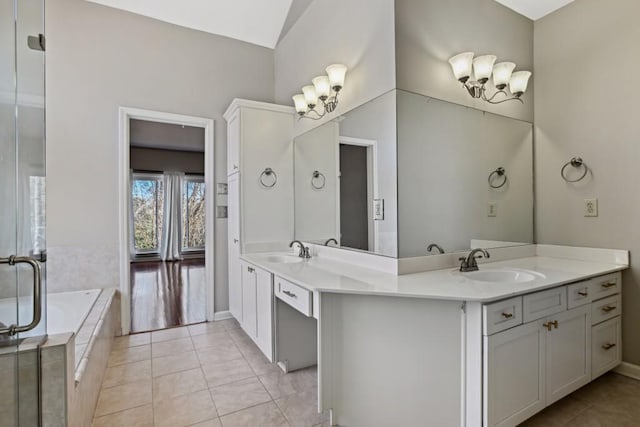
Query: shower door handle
point(37, 289)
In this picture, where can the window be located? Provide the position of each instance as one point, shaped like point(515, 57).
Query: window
point(147, 194)
point(193, 214)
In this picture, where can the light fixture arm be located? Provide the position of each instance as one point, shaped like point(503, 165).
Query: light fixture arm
point(328, 105)
point(478, 90)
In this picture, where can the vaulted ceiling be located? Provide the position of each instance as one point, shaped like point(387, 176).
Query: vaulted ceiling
point(534, 9)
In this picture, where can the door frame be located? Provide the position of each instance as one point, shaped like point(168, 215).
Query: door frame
point(372, 184)
point(125, 115)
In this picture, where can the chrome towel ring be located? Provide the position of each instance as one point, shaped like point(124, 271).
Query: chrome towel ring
point(576, 162)
point(318, 180)
point(500, 172)
point(267, 173)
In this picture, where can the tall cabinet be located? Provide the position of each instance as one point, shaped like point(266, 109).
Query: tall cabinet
point(260, 200)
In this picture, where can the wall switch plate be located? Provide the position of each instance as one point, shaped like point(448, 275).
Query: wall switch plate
point(590, 207)
point(221, 211)
point(223, 188)
point(492, 209)
point(378, 209)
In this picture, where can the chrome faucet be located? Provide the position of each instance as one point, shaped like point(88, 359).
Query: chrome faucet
point(304, 251)
point(331, 240)
point(469, 263)
point(435, 246)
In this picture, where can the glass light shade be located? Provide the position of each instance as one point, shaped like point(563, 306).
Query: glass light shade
point(461, 65)
point(519, 81)
point(483, 67)
point(310, 96)
point(300, 103)
point(322, 86)
point(502, 74)
point(336, 73)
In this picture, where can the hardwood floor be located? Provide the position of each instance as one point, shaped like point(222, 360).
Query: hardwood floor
point(167, 294)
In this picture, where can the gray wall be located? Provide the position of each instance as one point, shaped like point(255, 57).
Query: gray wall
point(586, 58)
point(144, 133)
point(98, 59)
point(151, 159)
point(429, 32)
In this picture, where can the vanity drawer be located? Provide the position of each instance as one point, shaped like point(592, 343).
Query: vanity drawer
point(604, 286)
point(605, 309)
point(579, 294)
point(606, 351)
point(294, 295)
point(502, 315)
point(543, 304)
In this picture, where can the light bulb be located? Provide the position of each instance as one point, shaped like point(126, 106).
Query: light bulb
point(483, 67)
point(310, 96)
point(300, 103)
point(518, 83)
point(502, 74)
point(336, 73)
point(461, 65)
point(322, 86)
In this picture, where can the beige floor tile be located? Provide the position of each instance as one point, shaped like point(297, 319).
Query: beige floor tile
point(129, 355)
point(559, 413)
point(141, 416)
point(184, 410)
point(209, 423)
point(214, 339)
point(127, 396)
point(239, 395)
point(170, 334)
point(230, 324)
point(219, 354)
point(179, 383)
point(598, 417)
point(227, 372)
point(169, 348)
point(127, 373)
point(301, 409)
point(261, 365)
point(264, 415)
point(279, 384)
point(176, 363)
point(206, 328)
point(131, 340)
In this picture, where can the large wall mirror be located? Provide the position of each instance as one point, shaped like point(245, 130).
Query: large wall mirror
point(405, 172)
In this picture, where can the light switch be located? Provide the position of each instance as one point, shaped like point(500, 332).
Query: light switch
point(221, 211)
point(378, 209)
point(590, 207)
point(492, 209)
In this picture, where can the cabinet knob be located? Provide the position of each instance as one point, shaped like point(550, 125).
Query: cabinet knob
point(250, 269)
point(235, 240)
point(551, 325)
point(235, 166)
point(608, 308)
point(608, 346)
point(608, 285)
point(507, 315)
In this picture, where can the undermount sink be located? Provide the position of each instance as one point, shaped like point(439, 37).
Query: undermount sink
point(283, 259)
point(502, 276)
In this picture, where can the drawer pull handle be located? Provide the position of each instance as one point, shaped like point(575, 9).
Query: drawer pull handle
point(608, 285)
point(250, 269)
point(608, 308)
point(507, 315)
point(290, 294)
point(608, 346)
point(235, 166)
point(550, 325)
point(583, 293)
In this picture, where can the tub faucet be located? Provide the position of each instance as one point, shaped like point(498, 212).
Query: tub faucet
point(331, 240)
point(435, 246)
point(304, 251)
point(469, 263)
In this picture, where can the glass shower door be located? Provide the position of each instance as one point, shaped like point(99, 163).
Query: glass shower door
point(22, 245)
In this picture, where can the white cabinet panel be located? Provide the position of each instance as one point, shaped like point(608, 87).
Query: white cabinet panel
point(605, 309)
point(578, 294)
point(264, 312)
point(605, 285)
point(502, 315)
point(233, 144)
point(606, 351)
point(249, 299)
point(235, 285)
point(541, 304)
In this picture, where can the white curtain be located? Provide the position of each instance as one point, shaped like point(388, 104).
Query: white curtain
point(170, 248)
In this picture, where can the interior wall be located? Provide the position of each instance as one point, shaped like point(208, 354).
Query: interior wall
point(151, 159)
point(357, 33)
point(98, 59)
point(586, 57)
point(429, 32)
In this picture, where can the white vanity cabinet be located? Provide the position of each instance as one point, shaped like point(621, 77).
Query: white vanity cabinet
point(233, 244)
point(257, 306)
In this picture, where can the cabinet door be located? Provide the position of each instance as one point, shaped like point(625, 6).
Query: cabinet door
point(249, 298)
point(606, 353)
point(233, 144)
point(568, 361)
point(265, 312)
point(233, 235)
point(514, 366)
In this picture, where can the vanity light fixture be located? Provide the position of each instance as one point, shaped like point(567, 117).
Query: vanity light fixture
point(483, 67)
point(324, 90)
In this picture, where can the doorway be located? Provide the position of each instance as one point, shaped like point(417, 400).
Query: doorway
point(166, 220)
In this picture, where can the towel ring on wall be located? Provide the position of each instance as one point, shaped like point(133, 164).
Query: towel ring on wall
point(318, 176)
point(267, 173)
point(500, 172)
point(576, 162)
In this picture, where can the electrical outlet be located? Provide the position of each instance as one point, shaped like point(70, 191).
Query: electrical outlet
point(590, 207)
point(221, 211)
point(492, 209)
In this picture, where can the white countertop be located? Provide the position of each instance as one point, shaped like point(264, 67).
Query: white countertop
point(328, 275)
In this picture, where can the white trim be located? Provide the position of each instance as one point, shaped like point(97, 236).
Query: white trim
point(256, 105)
point(222, 315)
point(125, 115)
point(628, 370)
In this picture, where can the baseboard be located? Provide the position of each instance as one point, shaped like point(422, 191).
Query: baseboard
point(222, 315)
point(628, 370)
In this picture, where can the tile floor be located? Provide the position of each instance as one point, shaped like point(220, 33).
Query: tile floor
point(205, 375)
